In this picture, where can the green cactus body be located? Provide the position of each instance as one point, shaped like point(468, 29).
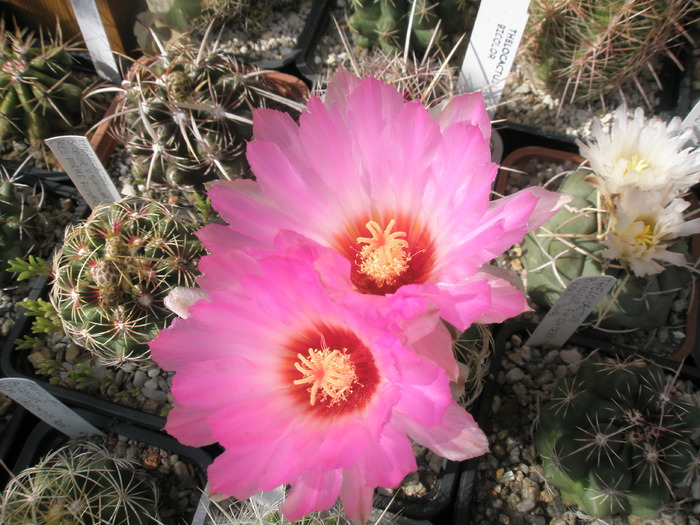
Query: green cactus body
point(187, 115)
point(586, 49)
point(16, 238)
point(615, 438)
point(80, 485)
point(114, 271)
point(634, 302)
point(41, 95)
point(385, 22)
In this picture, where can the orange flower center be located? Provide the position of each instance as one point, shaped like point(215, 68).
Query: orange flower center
point(330, 373)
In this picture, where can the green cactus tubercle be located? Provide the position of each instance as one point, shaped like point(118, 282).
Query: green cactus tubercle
point(385, 22)
point(80, 485)
point(616, 438)
point(552, 262)
point(113, 272)
point(42, 97)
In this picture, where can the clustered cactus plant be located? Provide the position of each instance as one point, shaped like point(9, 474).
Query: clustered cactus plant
point(385, 22)
point(617, 437)
point(571, 245)
point(42, 96)
point(80, 485)
point(187, 114)
point(584, 49)
point(113, 272)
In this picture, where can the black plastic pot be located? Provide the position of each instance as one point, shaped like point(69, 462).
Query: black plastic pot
point(297, 62)
point(483, 413)
point(14, 363)
point(42, 439)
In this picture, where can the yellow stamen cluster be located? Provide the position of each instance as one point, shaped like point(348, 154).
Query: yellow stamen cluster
point(385, 257)
point(645, 237)
point(636, 163)
point(330, 373)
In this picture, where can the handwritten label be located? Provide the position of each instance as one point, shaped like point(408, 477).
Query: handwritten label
point(494, 42)
point(571, 309)
point(46, 407)
point(95, 38)
point(84, 168)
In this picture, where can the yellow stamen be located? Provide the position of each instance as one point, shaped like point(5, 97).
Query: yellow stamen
point(637, 164)
point(385, 257)
point(330, 373)
point(645, 237)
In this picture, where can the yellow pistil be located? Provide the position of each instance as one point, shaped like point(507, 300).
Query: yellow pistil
point(385, 257)
point(330, 373)
point(637, 164)
point(645, 237)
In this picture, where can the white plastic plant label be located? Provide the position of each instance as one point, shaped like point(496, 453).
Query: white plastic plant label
point(202, 511)
point(46, 407)
point(571, 309)
point(95, 38)
point(494, 42)
point(84, 168)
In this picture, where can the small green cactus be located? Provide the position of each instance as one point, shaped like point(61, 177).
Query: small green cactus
point(583, 49)
point(42, 97)
point(80, 485)
point(570, 245)
point(16, 219)
point(385, 22)
point(617, 438)
point(113, 273)
point(187, 114)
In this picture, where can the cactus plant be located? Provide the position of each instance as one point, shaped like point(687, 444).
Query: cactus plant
point(80, 485)
point(583, 49)
point(385, 22)
point(42, 96)
point(16, 217)
point(616, 437)
point(570, 245)
point(113, 272)
point(187, 114)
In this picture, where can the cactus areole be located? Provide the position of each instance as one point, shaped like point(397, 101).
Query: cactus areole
point(114, 271)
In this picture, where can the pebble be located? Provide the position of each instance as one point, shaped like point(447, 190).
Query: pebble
point(570, 356)
point(514, 375)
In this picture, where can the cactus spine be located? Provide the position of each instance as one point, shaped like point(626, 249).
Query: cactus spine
point(617, 438)
point(114, 271)
point(42, 97)
point(16, 217)
point(187, 114)
point(80, 486)
point(385, 22)
point(570, 245)
point(583, 49)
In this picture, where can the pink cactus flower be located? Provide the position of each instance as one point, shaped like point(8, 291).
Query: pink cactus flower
point(402, 192)
point(302, 389)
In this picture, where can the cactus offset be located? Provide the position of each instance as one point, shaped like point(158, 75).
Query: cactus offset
point(80, 485)
point(385, 22)
point(42, 97)
point(187, 114)
point(617, 438)
point(570, 245)
point(583, 49)
point(114, 271)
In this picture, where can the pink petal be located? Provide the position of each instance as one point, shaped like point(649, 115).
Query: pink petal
point(340, 87)
point(425, 392)
point(313, 491)
point(457, 438)
point(356, 496)
point(547, 204)
point(468, 108)
point(436, 347)
point(189, 425)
